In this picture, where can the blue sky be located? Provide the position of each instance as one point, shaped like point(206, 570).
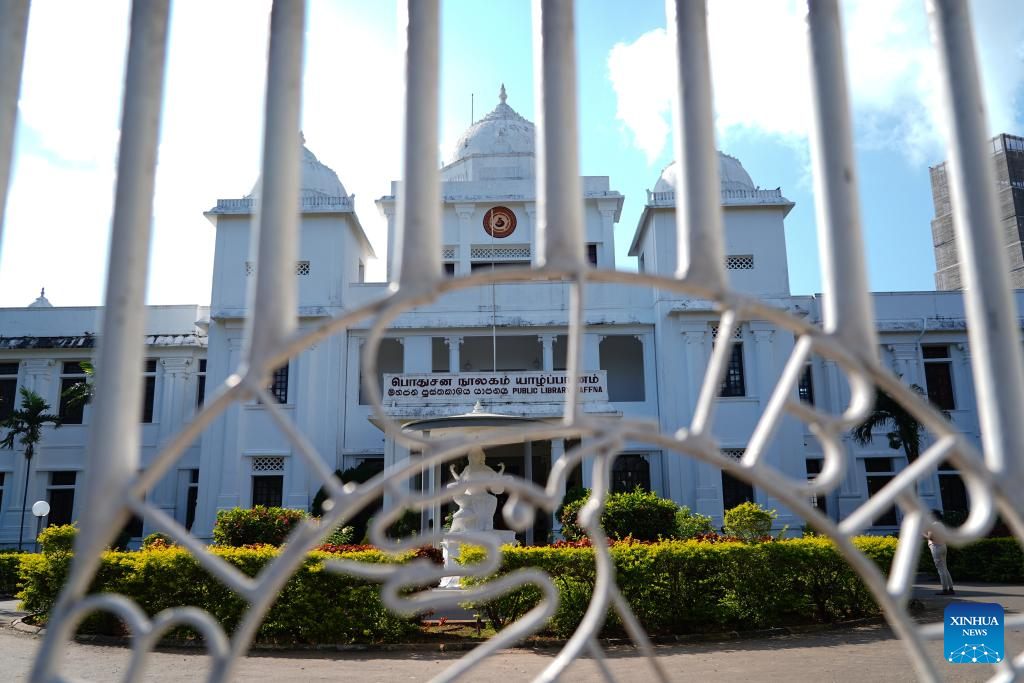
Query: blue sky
point(58, 213)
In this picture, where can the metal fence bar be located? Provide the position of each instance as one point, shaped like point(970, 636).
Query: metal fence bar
point(112, 491)
point(273, 298)
point(419, 208)
point(993, 327)
point(13, 28)
point(112, 455)
point(847, 307)
point(700, 254)
point(559, 189)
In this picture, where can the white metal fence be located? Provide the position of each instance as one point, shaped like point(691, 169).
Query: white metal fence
point(115, 489)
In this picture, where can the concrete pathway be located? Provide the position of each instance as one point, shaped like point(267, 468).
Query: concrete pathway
point(858, 654)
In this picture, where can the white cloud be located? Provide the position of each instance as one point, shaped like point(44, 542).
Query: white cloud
point(638, 72)
point(760, 73)
point(210, 136)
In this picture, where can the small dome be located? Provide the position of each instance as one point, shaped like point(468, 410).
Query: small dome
point(502, 131)
point(42, 301)
point(317, 180)
point(731, 174)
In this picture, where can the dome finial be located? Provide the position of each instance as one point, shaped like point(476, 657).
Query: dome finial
point(501, 95)
point(41, 302)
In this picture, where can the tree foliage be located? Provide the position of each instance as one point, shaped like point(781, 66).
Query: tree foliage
point(25, 424)
point(904, 431)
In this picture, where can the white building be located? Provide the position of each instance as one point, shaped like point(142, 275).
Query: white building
point(648, 349)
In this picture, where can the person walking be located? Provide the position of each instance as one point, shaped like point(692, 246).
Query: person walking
point(938, 550)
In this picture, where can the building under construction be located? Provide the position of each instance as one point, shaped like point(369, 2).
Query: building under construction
point(1008, 158)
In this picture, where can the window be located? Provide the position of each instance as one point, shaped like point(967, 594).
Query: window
point(61, 496)
point(201, 383)
point(302, 267)
point(133, 529)
point(806, 386)
point(880, 472)
point(952, 490)
point(148, 390)
point(266, 490)
point(478, 266)
point(734, 383)
point(512, 353)
point(813, 470)
point(449, 269)
point(641, 265)
point(734, 491)
point(440, 358)
point(278, 386)
point(938, 375)
point(390, 360)
point(622, 357)
point(629, 471)
point(361, 272)
point(2, 476)
point(592, 254)
point(71, 374)
point(8, 388)
point(191, 498)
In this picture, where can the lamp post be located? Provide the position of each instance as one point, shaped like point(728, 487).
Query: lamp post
point(40, 509)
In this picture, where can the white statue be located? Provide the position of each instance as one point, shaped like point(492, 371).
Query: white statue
point(476, 504)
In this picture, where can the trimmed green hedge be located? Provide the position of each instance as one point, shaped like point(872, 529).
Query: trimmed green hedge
point(991, 560)
point(253, 526)
point(9, 571)
point(686, 586)
point(315, 606)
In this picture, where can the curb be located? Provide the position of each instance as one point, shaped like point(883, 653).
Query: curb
point(466, 645)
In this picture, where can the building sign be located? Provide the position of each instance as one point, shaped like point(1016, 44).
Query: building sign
point(443, 388)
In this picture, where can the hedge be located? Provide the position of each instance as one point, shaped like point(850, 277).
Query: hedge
point(680, 587)
point(9, 572)
point(990, 560)
point(315, 606)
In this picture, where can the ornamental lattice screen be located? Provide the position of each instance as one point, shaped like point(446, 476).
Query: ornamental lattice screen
point(114, 488)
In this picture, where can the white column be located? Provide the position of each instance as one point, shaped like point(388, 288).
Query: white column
point(907, 362)
point(547, 342)
point(606, 251)
point(39, 377)
point(530, 208)
point(172, 403)
point(591, 353)
point(454, 361)
point(706, 479)
point(650, 370)
point(528, 476)
point(465, 213)
point(763, 373)
point(389, 214)
point(557, 453)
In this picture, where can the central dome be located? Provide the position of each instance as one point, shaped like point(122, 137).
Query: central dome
point(502, 133)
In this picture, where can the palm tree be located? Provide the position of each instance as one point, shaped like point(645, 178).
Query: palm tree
point(26, 426)
point(904, 429)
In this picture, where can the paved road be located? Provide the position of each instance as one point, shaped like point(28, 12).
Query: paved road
point(860, 654)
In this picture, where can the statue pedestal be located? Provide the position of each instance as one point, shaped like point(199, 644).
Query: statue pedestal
point(452, 545)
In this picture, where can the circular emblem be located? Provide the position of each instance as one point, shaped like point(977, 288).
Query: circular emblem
point(499, 222)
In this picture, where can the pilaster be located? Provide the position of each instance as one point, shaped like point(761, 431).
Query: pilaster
point(465, 213)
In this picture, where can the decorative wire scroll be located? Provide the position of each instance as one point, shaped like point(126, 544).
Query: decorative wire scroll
point(603, 440)
point(845, 340)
